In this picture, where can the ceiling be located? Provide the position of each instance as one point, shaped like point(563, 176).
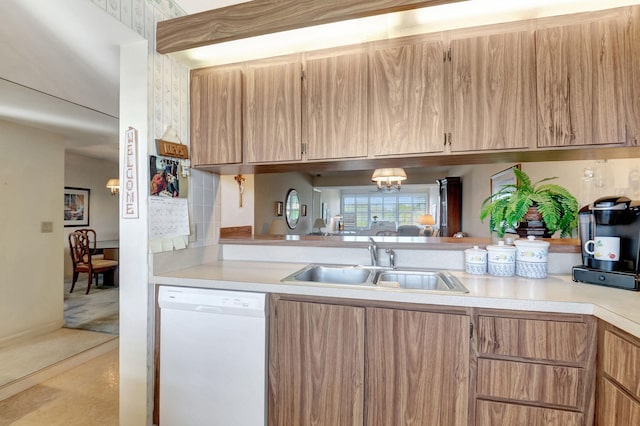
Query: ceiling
point(59, 68)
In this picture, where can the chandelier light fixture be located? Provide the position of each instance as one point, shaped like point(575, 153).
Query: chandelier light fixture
point(114, 185)
point(389, 179)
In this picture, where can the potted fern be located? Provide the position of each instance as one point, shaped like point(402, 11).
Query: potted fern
point(545, 207)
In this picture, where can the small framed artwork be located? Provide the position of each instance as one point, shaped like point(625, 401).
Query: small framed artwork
point(279, 208)
point(76, 206)
point(505, 177)
point(303, 210)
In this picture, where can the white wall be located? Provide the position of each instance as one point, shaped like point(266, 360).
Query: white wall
point(273, 187)
point(231, 213)
point(84, 172)
point(31, 262)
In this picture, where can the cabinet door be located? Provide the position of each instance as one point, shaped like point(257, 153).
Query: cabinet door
point(417, 368)
point(316, 364)
point(272, 97)
point(216, 116)
point(621, 361)
point(336, 107)
point(632, 87)
point(407, 100)
point(580, 84)
point(493, 92)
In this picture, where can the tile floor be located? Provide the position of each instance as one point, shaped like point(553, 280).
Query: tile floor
point(84, 395)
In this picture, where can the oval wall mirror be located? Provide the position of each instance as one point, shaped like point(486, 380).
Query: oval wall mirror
point(292, 208)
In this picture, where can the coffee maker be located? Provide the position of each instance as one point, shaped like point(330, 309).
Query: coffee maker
point(610, 217)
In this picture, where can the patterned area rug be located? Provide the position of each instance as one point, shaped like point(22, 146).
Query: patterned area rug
point(96, 311)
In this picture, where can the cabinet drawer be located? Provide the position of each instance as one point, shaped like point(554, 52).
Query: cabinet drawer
point(616, 408)
point(489, 413)
point(533, 339)
point(621, 361)
point(534, 383)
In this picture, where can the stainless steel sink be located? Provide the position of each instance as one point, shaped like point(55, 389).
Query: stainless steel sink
point(402, 278)
point(419, 280)
point(332, 274)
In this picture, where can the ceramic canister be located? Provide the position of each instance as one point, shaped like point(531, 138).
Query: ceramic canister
point(531, 257)
point(501, 259)
point(475, 260)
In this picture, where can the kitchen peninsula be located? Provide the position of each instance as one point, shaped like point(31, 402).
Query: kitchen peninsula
point(554, 309)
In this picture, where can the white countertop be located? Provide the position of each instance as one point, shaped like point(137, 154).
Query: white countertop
point(556, 293)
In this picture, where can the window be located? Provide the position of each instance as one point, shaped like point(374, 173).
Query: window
point(358, 209)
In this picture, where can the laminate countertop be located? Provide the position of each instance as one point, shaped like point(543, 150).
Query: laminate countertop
point(556, 293)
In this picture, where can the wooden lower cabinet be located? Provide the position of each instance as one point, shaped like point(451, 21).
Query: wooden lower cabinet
point(418, 368)
point(333, 363)
point(491, 413)
point(535, 368)
point(618, 395)
point(615, 407)
point(316, 364)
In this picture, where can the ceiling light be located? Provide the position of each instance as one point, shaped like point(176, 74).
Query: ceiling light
point(389, 178)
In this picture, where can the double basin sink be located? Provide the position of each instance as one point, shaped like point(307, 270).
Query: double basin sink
point(373, 276)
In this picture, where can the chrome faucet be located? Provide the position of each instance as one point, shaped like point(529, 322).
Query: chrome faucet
point(373, 249)
point(392, 258)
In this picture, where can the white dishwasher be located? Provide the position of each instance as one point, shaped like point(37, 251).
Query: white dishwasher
point(212, 357)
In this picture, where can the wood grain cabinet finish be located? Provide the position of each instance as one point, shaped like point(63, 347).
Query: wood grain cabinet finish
point(493, 92)
point(498, 413)
point(354, 363)
point(580, 84)
point(618, 396)
point(336, 106)
point(535, 366)
point(216, 116)
point(631, 97)
point(272, 111)
point(418, 368)
point(533, 339)
point(407, 99)
point(316, 364)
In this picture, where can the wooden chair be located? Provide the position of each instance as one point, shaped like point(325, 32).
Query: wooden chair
point(91, 234)
point(80, 249)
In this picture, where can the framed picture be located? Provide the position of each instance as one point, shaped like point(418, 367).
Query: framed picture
point(163, 174)
point(76, 206)
point(278, 208)
point(505, 177)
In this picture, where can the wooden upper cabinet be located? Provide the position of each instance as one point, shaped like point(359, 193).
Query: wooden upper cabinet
point(316, 364)
point(272, 97)
point(407, 98)
point(632, 72)
point(336, 106)
point(216, 116)
point(580, 80)
point(417, 368)
point(493, 93)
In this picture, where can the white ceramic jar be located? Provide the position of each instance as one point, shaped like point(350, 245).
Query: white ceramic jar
point(501, 259)
point(531, 257)
point(475, 260)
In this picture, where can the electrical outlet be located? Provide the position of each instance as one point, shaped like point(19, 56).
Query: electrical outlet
point(46, 227)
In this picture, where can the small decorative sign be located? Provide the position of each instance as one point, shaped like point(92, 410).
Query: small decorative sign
point(130, 176)
point(172, 149)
